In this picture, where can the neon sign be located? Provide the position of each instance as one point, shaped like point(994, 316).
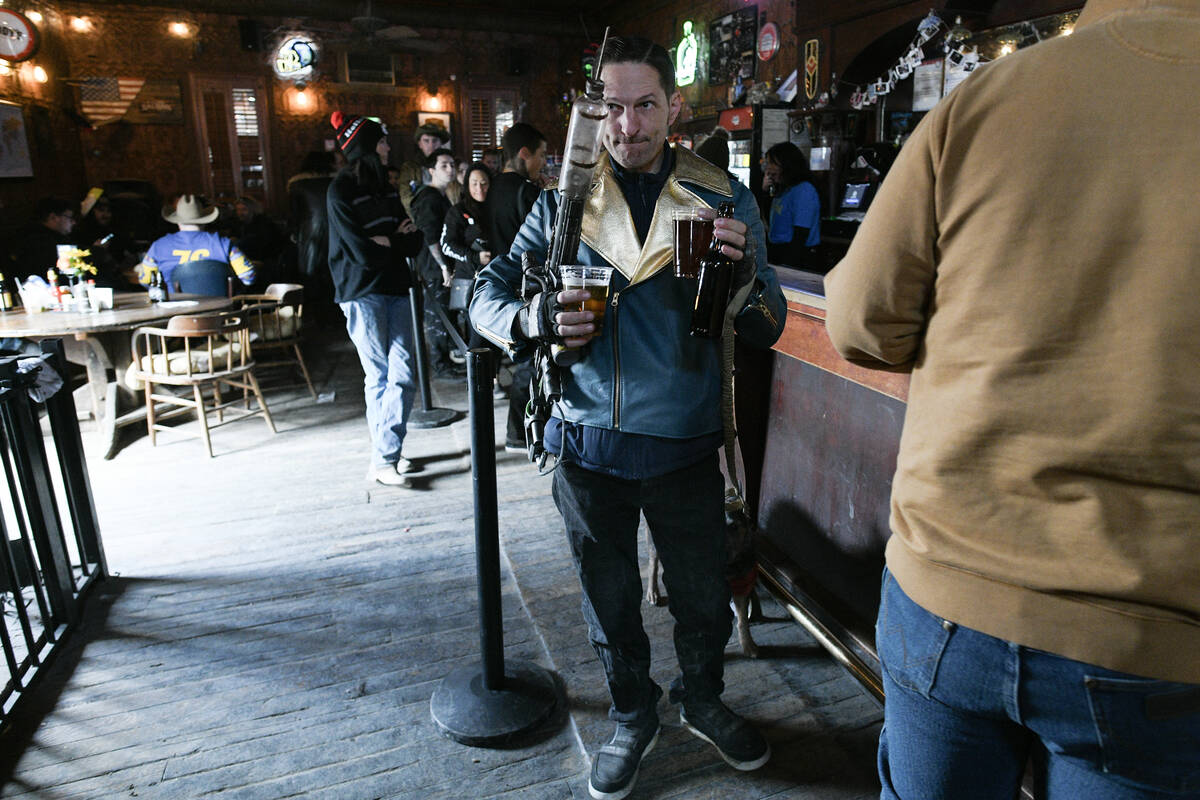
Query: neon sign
point(686, 54)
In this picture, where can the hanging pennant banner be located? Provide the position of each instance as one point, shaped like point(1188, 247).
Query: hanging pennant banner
point(812, 63)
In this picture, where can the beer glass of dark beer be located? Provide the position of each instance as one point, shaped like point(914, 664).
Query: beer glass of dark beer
point(693, 235)
point(595, 280)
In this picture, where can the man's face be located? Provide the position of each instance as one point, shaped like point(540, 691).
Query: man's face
point(102, 213)
point(534, 162)
point(492, 162)
point(639, 115)
point(63, 223)
point(427, 144)
point(772, 174)
point(443, 172)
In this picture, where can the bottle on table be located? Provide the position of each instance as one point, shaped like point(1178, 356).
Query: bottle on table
point(8, 297)
point(56, 288)
point(712, 290)
point(157, 289)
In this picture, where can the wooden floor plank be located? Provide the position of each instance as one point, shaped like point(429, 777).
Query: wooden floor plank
point(277, 627)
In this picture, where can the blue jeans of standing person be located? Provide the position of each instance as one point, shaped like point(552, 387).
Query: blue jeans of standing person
point(380, 326)
point(685, 510)
point(965, 711)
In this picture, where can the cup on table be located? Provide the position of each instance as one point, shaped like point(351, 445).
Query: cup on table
point(100, 298)
point(693, 235)
point(595, 280)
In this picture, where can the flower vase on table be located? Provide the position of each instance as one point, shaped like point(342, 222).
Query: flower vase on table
point(73, 264)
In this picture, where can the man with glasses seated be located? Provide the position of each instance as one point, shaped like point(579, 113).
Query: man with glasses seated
point(35, 249)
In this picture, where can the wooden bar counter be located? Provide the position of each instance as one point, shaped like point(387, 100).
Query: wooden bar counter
point(824, 464)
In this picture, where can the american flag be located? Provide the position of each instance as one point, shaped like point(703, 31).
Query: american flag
point(105, 100)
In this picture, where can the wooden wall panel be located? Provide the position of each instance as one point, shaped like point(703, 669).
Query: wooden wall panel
point(131, 41)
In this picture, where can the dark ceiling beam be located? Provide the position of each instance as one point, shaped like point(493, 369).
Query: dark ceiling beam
point(504, 16)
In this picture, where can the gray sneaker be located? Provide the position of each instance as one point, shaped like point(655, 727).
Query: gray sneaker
point(615, 765)
point(738, 742)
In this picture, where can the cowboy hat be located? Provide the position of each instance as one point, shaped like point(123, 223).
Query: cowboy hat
point(190, 210)
point(438, 132)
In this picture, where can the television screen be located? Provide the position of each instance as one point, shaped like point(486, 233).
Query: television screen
point(855, 194)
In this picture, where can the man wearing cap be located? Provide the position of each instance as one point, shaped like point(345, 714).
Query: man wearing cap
point(370, 237)
point(192, 243)
point(428, 137)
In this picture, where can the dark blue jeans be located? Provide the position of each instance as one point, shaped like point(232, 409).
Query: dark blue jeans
point(965, 711)
point(686, 514)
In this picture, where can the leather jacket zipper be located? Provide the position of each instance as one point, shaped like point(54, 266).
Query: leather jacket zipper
point(761, 306)
point(616, 363)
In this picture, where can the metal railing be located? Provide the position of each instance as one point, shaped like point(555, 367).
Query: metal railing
point(47, 563)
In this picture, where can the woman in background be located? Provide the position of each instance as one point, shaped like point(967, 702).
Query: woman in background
point(794, 227)
point(464, 237)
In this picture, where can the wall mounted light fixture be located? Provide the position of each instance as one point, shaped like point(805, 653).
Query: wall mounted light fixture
point(39, 74)
point(81, 24)
point(180, 29)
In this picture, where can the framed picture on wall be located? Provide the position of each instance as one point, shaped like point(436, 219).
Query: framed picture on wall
point(14, 144)
point(439, 118)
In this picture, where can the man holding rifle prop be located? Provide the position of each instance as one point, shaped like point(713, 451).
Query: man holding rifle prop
point(634, 399)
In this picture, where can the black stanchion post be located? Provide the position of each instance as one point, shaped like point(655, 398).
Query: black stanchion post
point(500, 702)
point(427, 416)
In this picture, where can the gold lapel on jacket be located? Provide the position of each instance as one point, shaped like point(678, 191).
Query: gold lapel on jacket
point(608, 226)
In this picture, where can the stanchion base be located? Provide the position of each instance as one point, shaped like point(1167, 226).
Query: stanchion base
point(468, 712)
point(431, 417)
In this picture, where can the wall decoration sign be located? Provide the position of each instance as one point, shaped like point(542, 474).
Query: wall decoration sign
point(731, 46)
point(768, 42)
point(19, 38)
point(158, 103)
point(686, 57)
point(439, 118)
point(14, 145)
point(812, 65)
point(105, 100)
point(295, 59)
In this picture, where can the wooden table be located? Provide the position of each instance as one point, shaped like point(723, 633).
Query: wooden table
point(100, 341)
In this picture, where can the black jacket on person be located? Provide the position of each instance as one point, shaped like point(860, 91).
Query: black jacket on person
point(33, 251)
point(110, 258)
point(308, 222)
point(465, 235)
point(358, 265)
point(429, 207)
point(511, 198)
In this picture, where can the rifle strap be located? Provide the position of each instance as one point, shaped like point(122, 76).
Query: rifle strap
point(729, 424)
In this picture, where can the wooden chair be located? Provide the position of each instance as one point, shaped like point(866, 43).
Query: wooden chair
point(275, 319)
point(197, 351)
point(205, 277)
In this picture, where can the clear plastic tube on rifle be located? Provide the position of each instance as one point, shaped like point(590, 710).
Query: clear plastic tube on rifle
point(541, 282)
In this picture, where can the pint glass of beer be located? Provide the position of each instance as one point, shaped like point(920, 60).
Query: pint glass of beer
point(595, 280)
point(693, 235)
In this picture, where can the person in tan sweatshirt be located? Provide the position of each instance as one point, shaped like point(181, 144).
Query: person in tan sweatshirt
point(1030, 259)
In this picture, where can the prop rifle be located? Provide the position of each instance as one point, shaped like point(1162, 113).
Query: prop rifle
point(539, 283)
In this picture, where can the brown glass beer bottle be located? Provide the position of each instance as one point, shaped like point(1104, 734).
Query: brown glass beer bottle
point(712, 290)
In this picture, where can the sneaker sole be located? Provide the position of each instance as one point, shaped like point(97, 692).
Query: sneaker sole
point(623, 793)
point(741, 766)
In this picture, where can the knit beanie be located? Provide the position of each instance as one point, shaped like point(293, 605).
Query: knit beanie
point(356, 136)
